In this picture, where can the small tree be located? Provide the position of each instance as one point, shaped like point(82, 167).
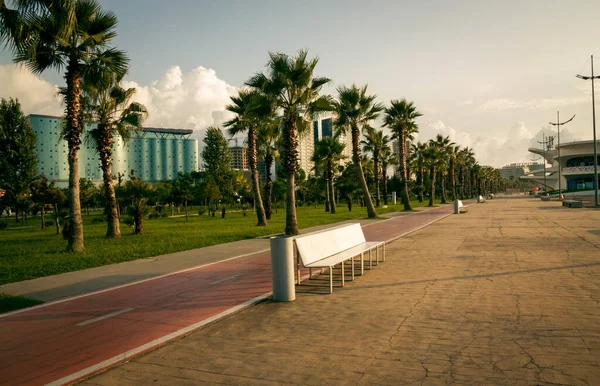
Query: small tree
point(217, 159)
point(138, 193)
point(18, 161)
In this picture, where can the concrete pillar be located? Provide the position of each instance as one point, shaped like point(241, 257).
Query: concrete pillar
point(456, 207)
point(282, 265)
point(393, 198)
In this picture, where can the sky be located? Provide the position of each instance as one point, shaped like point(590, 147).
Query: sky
point(491, 75)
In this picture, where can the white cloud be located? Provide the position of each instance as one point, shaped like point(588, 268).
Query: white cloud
point(502, 104)
point(194, 99)
point(36, 95)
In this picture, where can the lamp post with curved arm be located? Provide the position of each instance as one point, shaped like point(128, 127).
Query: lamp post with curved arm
point(592, 77)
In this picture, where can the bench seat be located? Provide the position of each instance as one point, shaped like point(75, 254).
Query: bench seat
point(333, 247)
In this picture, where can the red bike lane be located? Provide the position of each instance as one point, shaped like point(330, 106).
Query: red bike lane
point(61, 342)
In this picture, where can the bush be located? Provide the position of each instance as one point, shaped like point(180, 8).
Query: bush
point(201, 211)
point(128, 221)
point(98, 220)
point(154, 215)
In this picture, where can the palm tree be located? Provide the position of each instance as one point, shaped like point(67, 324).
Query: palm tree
point(354, 110)
point(328, 153)
point(66, 34)
point(110, 106)
point(252, 110)
point(444, 146)
point(417, 158)
point(433, 160)
point(400, 118)
point(138, 192)
point(373, 143)
point(465, 161)
point(454, 155)
point(268, 149)
point(387, 158)
point(294, 90)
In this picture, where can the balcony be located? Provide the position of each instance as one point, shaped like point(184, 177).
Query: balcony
point(578, 170)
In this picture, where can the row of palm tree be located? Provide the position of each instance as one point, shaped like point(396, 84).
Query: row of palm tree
point(274, 108)
point(74, 36)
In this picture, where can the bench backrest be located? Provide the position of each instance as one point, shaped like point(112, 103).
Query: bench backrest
point(318, 245)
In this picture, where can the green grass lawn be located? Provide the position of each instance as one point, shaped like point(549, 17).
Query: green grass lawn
point(28, 252)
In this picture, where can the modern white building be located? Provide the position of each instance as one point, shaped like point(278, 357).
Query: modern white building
point(153, 154)
point(576, 165)
point(514, 171)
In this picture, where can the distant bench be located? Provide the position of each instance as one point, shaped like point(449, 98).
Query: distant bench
point(335, 246)
point(572, 203)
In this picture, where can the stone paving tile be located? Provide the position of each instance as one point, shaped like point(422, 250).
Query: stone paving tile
point(506, 294)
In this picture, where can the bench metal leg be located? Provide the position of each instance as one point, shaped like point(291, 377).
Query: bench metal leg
point(298, 269)
point(343, 273)
point(352, 268)
point(383, 247)
point(362, 264)
point(330, 280)
point(370, 261)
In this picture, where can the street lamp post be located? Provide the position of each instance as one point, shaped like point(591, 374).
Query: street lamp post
point(544, 157)
point(592, 77)
point(558, 123)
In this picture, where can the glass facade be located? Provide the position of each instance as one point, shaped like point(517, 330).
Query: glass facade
point(152, 156)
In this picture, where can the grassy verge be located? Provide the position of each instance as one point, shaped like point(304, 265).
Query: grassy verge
point(28, 252)
point(10, 303)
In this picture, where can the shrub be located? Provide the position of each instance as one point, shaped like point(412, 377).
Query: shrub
point(201, 211)
point(128, 221)
point(98, 220)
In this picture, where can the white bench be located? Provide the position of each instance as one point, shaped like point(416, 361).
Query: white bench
point(334, 246)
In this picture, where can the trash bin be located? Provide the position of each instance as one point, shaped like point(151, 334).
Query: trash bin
point(282, 265)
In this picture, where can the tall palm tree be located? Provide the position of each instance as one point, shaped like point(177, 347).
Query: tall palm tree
point(444, 146)
point(387, 158)
point(295, 91)
point(252, 109)
point(328, 153)
point(400, 118)
point(268, 137)
point(110, 106)
point(465, 160)
point(433, 160)
point(454, 155)
point(374, 143)
point(417, 158)
point(355, 109)
point(71, 35)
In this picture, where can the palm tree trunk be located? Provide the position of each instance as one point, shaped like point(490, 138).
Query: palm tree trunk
point(138, 217)
point(327, 196)
point(331, 192)
point(404, 173)
point(290, 161)
point(42, 216)
point(376, 172)
point(113, 229)
point(432, 178)
point(420, 182)
point(453, 178)
point(73, 137)
point(443, 185)
point(384, 181)
point(268, 186)
point(356, 156)
point(258, 203)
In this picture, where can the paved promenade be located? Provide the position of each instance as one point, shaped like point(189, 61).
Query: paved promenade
point(68, 339)
point(505, 294)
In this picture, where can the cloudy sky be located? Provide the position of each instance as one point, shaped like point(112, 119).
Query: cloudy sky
point(491, 75)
